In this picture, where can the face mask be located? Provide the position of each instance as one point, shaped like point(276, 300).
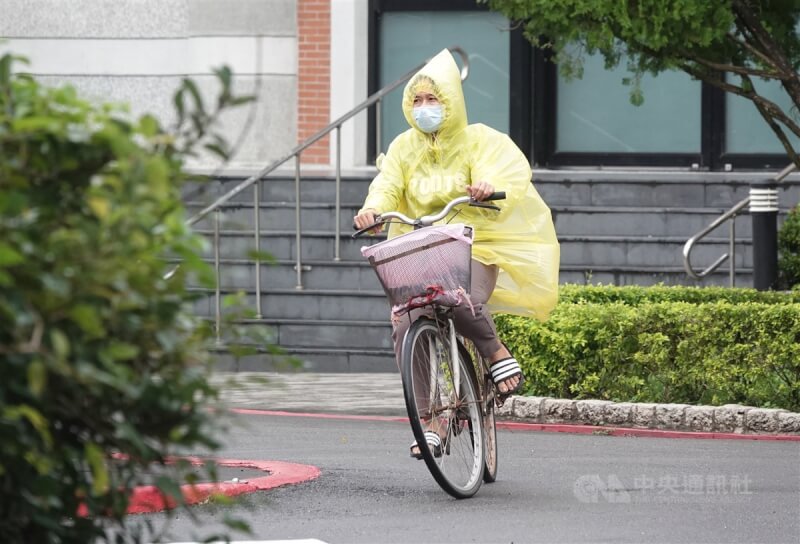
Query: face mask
point(429, 118)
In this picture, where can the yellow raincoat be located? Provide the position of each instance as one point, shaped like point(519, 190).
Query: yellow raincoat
point(421, 172)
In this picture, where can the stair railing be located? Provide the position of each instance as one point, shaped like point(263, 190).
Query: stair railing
point(731, 214)
point(374, 99)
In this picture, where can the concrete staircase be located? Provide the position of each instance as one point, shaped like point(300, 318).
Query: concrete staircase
point(615, 228)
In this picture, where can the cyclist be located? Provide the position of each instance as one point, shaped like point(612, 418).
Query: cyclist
point(515, 252)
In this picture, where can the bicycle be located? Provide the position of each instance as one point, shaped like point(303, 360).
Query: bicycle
point(447, 385)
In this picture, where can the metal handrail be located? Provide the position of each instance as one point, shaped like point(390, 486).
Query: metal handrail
point(374, 99)
point(730, 214)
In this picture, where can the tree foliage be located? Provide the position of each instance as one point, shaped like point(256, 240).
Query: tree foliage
point(726, 43)
point(99, 353)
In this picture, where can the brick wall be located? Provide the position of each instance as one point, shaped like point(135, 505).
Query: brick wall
point(313, 76)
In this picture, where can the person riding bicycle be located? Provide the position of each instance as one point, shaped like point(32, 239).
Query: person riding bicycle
point(515, 252)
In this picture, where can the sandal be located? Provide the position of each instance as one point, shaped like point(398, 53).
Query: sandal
point(504, 369)
point(434, 443)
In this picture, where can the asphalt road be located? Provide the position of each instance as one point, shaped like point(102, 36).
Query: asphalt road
point(551, 488)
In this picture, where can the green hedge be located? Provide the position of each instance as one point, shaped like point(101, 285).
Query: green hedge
point(635, 295)
point(789, 248)
point(670, 352)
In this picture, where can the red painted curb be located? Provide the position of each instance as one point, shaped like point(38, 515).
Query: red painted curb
point(547, 427)
point(149, 499)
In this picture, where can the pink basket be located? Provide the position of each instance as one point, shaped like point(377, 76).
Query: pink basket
point(429, 265)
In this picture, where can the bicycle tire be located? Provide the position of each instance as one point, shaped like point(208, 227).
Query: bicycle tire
point(431, 395)
point(487, 396)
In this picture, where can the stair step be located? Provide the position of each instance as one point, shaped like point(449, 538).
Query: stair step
point(278, 216)
point(654, 188)
point(310, 360)
point(575, 220)
point(282, 189)
point(575, 249)
point(305, 304)
point(627, 275)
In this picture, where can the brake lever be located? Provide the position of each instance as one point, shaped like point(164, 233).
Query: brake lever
point(366, 229)
point(479, 204)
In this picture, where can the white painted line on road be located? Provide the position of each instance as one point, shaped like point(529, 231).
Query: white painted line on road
point(303, 541)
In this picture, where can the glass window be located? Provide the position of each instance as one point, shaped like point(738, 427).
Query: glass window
point(745, 129)
point(594, 114)
point(407, 38)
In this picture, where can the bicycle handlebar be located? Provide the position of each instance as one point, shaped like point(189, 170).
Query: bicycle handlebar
point(428, 220)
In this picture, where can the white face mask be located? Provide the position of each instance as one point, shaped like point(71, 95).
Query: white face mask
point(429, 118)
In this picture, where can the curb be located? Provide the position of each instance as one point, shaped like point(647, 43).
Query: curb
point(149, 499)
point(569, 428)
point(728, 419)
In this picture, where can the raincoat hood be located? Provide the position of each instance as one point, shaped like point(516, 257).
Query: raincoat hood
point(441, 77)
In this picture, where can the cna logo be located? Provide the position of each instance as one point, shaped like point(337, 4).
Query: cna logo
point(590, 488)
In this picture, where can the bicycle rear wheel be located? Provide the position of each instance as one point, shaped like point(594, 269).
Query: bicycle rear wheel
point(440, 395)
point(486, 394)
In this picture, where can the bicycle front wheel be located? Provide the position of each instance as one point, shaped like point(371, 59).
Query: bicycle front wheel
point(486, 394)
point(440, 395)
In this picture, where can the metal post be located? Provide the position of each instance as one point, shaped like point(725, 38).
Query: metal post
point(337, 211)
point(377, 128)
point(218, 293)
point(764, 211)
point(732, 253)
point(297, 238)
point(257, 223)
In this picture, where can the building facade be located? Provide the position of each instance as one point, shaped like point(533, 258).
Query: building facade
point(310, 61)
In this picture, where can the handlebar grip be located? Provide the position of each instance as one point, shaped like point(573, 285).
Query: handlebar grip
point(365, 229)
point(497, 195)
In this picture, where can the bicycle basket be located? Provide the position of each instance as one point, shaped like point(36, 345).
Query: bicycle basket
point(430, 265)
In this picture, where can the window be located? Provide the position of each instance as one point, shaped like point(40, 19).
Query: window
point(407, 38)
point(746, 132)
point(594, 114)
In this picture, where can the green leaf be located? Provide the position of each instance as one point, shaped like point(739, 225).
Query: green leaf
point(179, 101)
point(88, 319)
point(60, 343)
point(9, 256)
point(121, 351)
point(37, 378)
point(262, 256)
point(245, 99)
point(217, 150)
point(170, 488)
point(100, 206)
point(95, 457)
point(224, 75)
point(36, 419)
point(191, 87)
point(148, 125)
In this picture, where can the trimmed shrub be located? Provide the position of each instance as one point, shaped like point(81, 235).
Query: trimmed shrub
point(789, 249)
point(634, 295)
point(668, 352)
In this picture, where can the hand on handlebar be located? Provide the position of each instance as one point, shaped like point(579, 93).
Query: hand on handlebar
point(480, 190)
point(366, 218)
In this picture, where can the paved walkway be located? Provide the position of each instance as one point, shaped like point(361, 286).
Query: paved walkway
point(382, 394)
point(351, 393)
